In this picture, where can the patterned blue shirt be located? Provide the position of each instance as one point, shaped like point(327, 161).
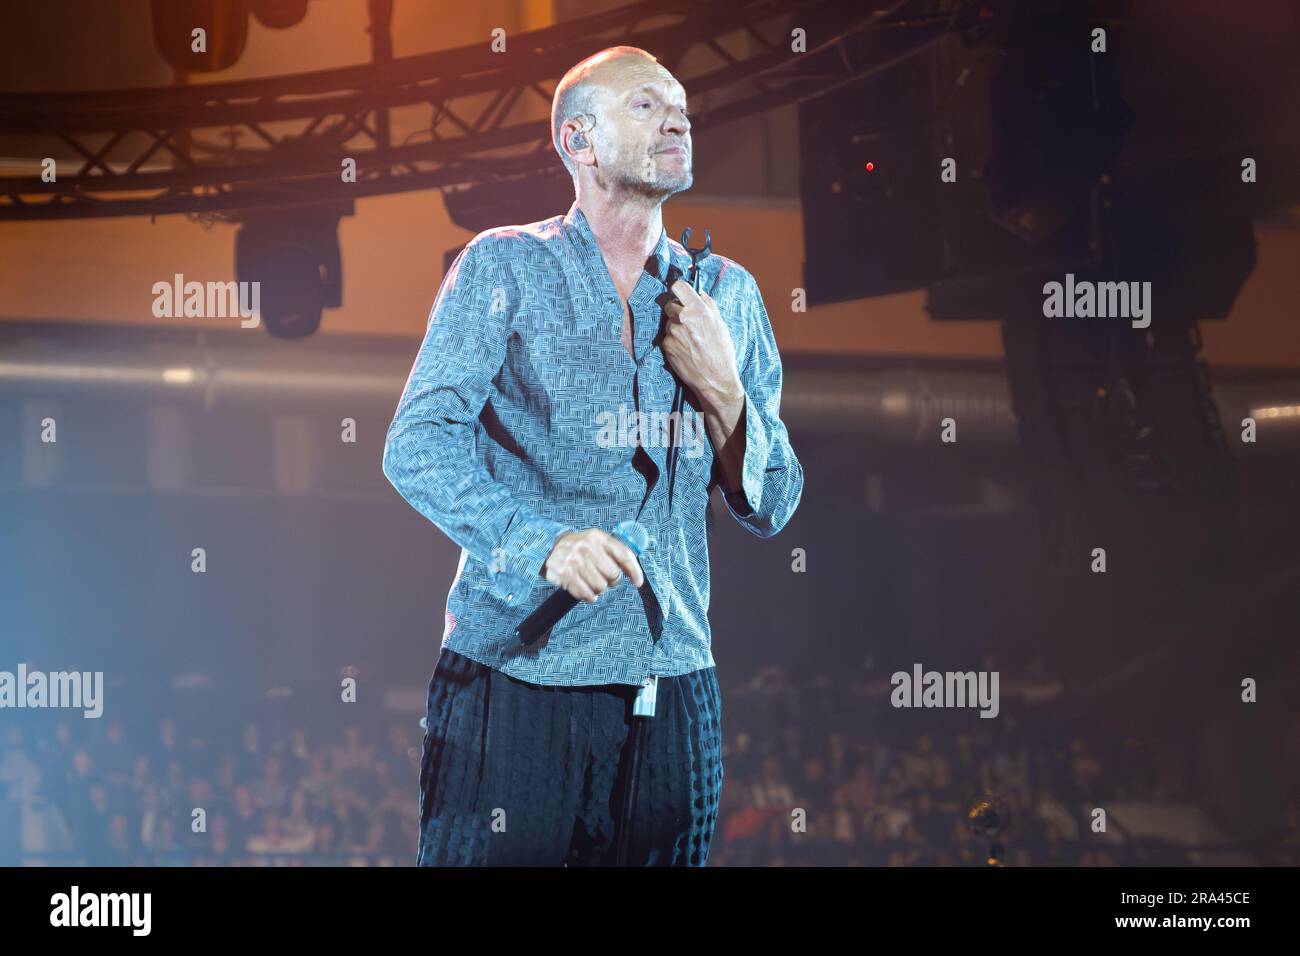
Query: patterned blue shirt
point(525, 417)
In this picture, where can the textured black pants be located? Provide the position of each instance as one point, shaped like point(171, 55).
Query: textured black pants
point(519, 774)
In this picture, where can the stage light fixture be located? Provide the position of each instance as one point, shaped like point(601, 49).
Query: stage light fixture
point(294, 256)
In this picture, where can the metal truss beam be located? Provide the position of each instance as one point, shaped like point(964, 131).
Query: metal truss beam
point(217, 149)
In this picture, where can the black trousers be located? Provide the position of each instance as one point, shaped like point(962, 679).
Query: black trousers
point(519, 774)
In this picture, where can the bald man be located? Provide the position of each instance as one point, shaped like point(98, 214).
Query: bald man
point(536, 418)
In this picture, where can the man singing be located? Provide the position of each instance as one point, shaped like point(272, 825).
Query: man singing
point(522, 434)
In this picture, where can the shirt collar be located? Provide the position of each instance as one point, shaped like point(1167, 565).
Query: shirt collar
point(575, 222)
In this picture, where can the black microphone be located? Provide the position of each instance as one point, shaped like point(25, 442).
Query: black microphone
point(631, 533)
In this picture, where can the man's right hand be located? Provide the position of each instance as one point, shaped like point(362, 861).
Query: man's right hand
point(588, 563)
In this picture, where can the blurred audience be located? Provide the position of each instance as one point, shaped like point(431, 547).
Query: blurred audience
point(809, 781)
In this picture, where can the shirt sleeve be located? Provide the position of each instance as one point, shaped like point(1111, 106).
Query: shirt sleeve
point(772, 478)
point(429, 454)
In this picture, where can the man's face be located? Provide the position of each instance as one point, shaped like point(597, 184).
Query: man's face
point(642, 135)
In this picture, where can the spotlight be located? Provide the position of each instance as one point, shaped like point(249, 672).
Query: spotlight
point(225, 31)
point(279, 14)
point(295, 257)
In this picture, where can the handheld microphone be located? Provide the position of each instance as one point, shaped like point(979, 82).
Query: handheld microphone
point(631, 533)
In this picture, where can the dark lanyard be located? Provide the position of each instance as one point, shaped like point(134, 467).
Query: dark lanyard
point(674, 446)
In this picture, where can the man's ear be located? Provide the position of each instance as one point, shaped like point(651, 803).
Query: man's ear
point(575, 134)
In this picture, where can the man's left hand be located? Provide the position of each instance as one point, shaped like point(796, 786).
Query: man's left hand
point(697, 345)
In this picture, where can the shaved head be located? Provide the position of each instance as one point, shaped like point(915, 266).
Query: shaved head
point(576, 93)
point(619, 123)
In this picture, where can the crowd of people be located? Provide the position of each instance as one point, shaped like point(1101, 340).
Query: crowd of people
point(808, 782)
point(170, 798)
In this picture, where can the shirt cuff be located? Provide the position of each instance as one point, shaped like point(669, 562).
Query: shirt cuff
point(516, 564)
point(744, 501)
